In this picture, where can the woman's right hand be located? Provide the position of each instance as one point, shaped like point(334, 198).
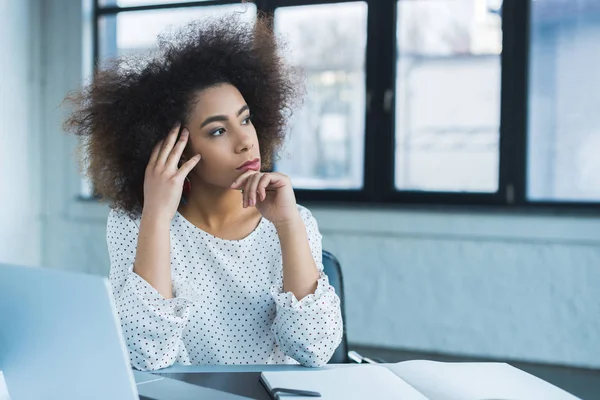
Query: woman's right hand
point(163, 181)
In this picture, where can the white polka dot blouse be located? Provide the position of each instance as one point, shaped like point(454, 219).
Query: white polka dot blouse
point(228, 305)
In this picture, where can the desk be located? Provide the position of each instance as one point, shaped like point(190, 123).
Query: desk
point(243, 379)
point(237, 379)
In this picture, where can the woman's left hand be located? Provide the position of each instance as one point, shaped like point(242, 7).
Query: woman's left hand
point(271, 193)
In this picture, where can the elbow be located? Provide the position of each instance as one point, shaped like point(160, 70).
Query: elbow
point(150, 365)
point(324, 351)
point(142, 367)
point(142, 362)
point(314, 359)
point(315, 355)
point(315, 363)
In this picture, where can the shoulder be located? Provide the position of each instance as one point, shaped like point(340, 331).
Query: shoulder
point(308, 218)
point(305, 213)
point(121, 219)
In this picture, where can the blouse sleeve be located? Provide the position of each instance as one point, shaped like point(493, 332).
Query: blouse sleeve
point(309, 330)
point(152, 325)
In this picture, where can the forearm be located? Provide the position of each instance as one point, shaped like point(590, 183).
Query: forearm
point(152, 260)
point(300, 272)
point(152, 327)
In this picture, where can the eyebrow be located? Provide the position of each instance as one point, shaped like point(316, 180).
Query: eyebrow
point(216, 118)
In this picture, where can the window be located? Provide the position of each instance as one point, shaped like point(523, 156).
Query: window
point(326, 147)
point(133, 32)
point(428, 101)
point(133, 3)
point(564, 105)
point(447, 96)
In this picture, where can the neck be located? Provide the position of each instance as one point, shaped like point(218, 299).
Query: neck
point(212, 206)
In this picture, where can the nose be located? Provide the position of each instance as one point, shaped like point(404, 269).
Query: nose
point(245, 142)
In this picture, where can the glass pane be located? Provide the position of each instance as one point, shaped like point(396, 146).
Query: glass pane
point(564, 105)
point(448, 95)
point(326, 147)
point(133, 3)
point(136, 31)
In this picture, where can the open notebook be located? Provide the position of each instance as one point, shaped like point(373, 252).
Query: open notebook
point(417, 380)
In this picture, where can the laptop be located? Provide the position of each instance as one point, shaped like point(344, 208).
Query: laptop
point(60, 338)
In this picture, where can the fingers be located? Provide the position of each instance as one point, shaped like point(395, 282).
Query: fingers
point(252, 185)
point(242, 183)
point(177, 151)
point(262, 186)
point(188, 166)
point(155, 152)
point(238, 183)
point(168, 145)
point(246, 192)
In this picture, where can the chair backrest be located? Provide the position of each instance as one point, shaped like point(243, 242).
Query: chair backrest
point(331, 267)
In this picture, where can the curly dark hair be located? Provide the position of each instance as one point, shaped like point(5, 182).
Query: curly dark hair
point(134, 102)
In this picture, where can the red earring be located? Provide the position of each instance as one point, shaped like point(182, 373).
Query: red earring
point(187, 186)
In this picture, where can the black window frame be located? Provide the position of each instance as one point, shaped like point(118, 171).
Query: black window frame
point(379, 158)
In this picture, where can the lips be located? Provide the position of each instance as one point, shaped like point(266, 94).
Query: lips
point(250, 165)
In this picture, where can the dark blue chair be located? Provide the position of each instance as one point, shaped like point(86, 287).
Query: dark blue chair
point(331, 267)
point(333, 270)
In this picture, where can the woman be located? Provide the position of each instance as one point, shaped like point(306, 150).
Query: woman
point(212, 261)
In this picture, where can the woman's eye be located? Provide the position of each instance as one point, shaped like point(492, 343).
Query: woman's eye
point(247, 120)
point(218, 132)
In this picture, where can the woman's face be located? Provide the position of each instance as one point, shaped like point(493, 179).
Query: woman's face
point(222, 133)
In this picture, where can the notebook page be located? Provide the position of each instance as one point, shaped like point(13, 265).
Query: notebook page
point(475, 381)
point(355, 382)
point(3, 390)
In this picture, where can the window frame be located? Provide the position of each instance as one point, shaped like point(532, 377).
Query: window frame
point(379, 142)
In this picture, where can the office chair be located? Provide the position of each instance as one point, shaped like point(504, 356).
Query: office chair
point(333, 270)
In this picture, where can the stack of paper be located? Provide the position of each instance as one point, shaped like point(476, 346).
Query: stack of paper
point(418, 380)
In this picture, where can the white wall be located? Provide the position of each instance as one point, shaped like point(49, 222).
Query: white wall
point(19, 137)
point(500, 284)
point(494, 285)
